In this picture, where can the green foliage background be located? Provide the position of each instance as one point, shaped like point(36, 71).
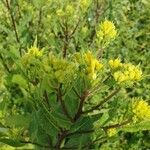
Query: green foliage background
point(37, 18)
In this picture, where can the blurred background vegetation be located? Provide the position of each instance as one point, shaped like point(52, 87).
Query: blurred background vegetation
point(23, 20)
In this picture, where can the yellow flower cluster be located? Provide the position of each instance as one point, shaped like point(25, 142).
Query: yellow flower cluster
point(134, 72)
point(141, 110)
point(93, 65)
point(61, 69)
point(106, 32)
point(84, 4)
point(34, 51)
point(129, 72)
point(60, 12)
point(31, 56)
point(69, 10)
point(114, 64)
point(111, 132)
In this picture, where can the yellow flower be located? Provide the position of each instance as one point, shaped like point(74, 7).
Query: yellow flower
point(141, 109)
point(62, 70)
point(106, 30)
point(90, 64)
point(120, 77)
point(34, 51)
point(69, 9)
point(115, 63)
point(111, 132)
point(134, 72)
point(84, 4)
point(128, 72)
point(98, 65)
point(60, 12)
point(93, 65)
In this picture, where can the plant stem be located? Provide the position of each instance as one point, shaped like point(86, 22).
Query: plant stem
point(61, 137)
point(82, 99)
point(75, 91)
point(46, 98)
point(97, 15)
point(59, 97)
point(14, 24)
point(117, 125)
point(39, 23)
point(66, 40)
point(4, 64)
point(102, 102)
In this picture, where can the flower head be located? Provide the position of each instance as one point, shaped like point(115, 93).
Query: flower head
point(128, 72)
point(90, 64)
point(93, 65)
point(60, 12)
point(141, 110)
point(115, 63)
point(134, 72)
point(84, 4)
point(61, 69)
point(108, 29)
point(111, 132)
point(106, 32)
point(34, 51)
point(69, 9)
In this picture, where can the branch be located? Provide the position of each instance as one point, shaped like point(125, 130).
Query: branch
point(59, 97)
point(75, 91)
point(39, 22)
point(46, 98)
point(61, 137)
point(82, 99)
point(66, 40)
point(102, 102)
point(97, 15)
point(98, 86)
point(74, 30)
point(77, 25)
point(4, 64)
point(117, 125)
point(13, 23)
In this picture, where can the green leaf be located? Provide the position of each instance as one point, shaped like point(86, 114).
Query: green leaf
point(85, 123)
point(61, 120)
point(142, 126)
point(2, 134)
point(14, 143)
point(18, 79)
point(105, 117)
point(78, 141)
point(41, 127)
point(18, 121)
point(71, 102)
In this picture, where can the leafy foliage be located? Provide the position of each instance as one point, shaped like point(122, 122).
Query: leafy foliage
point(65, 81)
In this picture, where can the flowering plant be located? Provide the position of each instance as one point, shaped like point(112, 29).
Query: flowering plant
point(71, 98)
